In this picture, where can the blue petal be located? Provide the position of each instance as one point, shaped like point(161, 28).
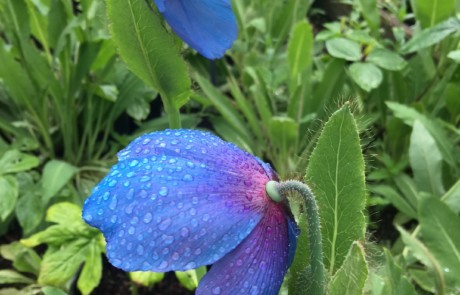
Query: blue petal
point(259, 263)
point(177, 200)
point(208, 26)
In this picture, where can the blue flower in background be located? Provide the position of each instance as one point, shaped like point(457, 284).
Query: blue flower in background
point(181, 199)
point(208, 26)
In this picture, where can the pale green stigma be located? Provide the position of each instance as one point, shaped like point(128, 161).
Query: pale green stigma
point(272, 191)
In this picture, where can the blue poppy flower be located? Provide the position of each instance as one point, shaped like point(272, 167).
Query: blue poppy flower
point(180, 199)
point(208, 26)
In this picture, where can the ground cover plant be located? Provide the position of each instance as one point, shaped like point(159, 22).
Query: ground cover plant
point(359, 100)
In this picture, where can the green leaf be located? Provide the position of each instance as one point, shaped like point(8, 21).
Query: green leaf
point(344, 49)
point(23, 258)
point(12, 277)
point(55, 175)
point(371, 14)
point(439, 227)
point(48, 290)
point(431, 36)
point(8, 194)
point(395, 198)
point(426, 161)
point(386, 59)
point(92, 270)
point(300, 49)
point(190, 278)
point(14, 161)
point(452, 197)
point(29, 211)
point(421, 252)
point(395, 282)
point(366, 75)
point(350, 278)
point(224, 106)
point(149, 50)
point(59, 234)
point(64, 213)
point(59, 266)
point(109, 92)
point(410, 115)
point(284, 133)
point(146, 278)
point(431, 12)
point(336, 176)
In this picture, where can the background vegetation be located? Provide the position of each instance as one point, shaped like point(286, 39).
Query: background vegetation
point(68, 103)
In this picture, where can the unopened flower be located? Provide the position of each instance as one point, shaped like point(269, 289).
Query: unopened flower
point(181, 199)
point(208, 26)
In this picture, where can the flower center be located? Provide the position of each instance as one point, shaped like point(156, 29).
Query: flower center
point(272, 191)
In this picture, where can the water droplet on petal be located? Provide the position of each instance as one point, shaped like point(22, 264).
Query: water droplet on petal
point(188, 177)
point(168, 239)
point(163, 264)
point(112, 183)
point(131, 230)
point(133, 163)
point(175, 256)
point(148, 217)
point(184, 232)
point(163, 191)
point(165, 224)
point(239, 262)
point(192, 211)
point(113, 203)
point(145, 178)
point(191, 265)
point(216, 290)
point(190, 165)
point(140, 250)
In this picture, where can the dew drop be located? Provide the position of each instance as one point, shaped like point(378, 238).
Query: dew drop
point(163, 264)
point(190, 165)
point(184, 232)
point(172, 161)
point(148, 217)
point(188, 177)
point(145, 178)
point(194, 200)
point(126, 183)
point(192, 211)
point(134, 220)
point(168, 239)
point(140, 250)
point(191, 265)
point(106, 196)
point(175, 256)
point(112, 183)
point(216, 290)
point(165, 224)
point(113, 219)
point(198, 251)
point(88, 217)
point(239, 262)
point(133, 163)
point(159, 169)
point(163, 191)
point(131, 230)
point(206, 217)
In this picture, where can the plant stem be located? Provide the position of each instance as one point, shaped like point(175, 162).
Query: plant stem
point(314, 232)
point(172, 112)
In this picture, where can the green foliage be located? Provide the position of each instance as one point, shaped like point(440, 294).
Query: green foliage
point(336, 175)
point(68, 103)
point(150, 52)
point(352, 275)
point(70, 243)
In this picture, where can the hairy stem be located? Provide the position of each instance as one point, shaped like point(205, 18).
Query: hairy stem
point(314, 232)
